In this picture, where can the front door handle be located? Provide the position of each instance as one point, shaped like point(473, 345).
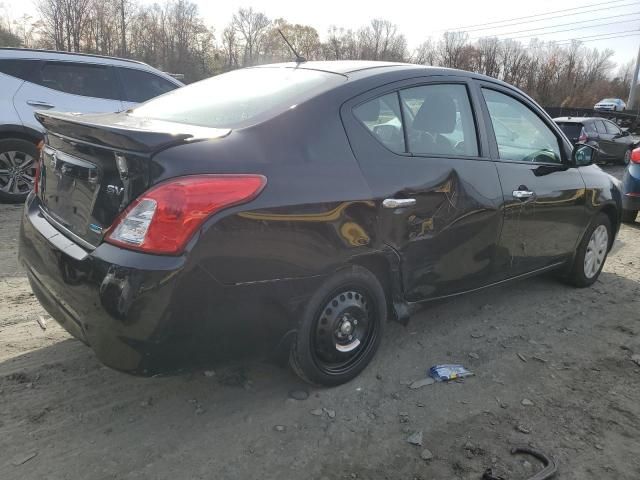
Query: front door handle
point(398, 202)
point(523, 194)
point(39, 103)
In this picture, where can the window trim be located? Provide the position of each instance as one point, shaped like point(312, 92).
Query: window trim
point(483, 149)
point(544, 118)
point(109, 68)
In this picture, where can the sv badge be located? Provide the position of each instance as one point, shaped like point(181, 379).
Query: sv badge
point(114, 190)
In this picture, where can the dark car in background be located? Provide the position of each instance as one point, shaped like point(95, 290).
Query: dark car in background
point(631, 188)
point(291, 209)
point(613, 143)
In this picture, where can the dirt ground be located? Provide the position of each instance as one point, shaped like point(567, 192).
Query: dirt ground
point(553, 369)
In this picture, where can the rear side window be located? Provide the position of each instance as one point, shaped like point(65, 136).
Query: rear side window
point(239, 98)
point(611, 128)
point(382, 117)
point(439, 120)
point(534, 141)
point(23, 69)
point(140, 86)
point(79, 79)
point(600, 126)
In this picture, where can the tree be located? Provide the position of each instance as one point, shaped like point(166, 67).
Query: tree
point(251, 27)
point(8, 39)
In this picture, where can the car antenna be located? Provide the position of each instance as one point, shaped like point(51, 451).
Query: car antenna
point(299, 58)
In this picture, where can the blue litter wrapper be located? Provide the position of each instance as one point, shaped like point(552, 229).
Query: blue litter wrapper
point(443, 373)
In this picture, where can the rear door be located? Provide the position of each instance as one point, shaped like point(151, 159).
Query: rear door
point(436, 190)
point(605, 141)
point(544, 195)
point(68, 87)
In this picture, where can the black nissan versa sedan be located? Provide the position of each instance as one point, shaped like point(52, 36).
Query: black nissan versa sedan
point(294, 208)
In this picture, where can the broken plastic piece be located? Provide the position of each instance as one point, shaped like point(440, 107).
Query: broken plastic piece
point(443, 373)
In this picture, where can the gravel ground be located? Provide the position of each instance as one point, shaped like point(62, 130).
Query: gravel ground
point(553, 369)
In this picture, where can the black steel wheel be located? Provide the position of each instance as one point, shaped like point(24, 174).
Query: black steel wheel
point(17, 169)
point(340, 329)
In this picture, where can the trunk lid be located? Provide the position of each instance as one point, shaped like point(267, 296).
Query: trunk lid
point(94, 166)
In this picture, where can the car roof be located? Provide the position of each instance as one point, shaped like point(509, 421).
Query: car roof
point(365, 68)
point(341, 67)
point(577, 119)
point(34, 54)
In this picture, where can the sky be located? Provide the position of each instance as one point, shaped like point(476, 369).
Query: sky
point(419, 19)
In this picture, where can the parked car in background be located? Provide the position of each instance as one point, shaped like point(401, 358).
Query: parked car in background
point(611, 104)
point(613, 143)
point(631, 188)
point(219, 221)
point(32, 80)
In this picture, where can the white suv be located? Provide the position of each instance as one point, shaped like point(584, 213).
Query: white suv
point(33, 80)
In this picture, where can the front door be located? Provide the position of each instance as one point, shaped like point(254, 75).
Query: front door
point(544, 195)
point(436, 190)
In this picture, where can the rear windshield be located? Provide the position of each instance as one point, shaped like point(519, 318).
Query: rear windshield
point(571, 130)
point(239, 98)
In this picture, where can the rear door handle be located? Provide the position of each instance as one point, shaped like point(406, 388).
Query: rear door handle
point(523, 194)
point(398, 202)
point(39, 103)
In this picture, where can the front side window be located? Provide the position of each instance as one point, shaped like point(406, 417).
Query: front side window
point(79, 79)
point(600, 126)
point(533, 140)
point(440, 120)
point(611, 128)
point(140, 86)
point(382, 117)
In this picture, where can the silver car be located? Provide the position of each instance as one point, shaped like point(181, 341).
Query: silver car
point(33, 80)
point(610, 104)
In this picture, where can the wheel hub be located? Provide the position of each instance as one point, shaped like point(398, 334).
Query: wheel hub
point(17, 171)
point(343, 329)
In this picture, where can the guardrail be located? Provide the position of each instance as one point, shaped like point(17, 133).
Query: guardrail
point(627, 119)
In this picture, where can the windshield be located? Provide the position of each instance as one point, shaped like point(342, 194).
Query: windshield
point(239, 98)
point(611, 100)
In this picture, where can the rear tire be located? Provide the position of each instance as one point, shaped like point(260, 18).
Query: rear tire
point(17, 169)
point(340, 328)
point(591, 253)
point(629, 216)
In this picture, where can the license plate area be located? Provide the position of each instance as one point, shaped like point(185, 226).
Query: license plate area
point(69, 187)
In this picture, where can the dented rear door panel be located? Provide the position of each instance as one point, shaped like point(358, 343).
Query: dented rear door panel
point(447, 241)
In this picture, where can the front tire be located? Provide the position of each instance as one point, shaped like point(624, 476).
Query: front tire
point(340, 328)
point(627, 157)
point(629, 216)
point(17, 169)
point(592, 253)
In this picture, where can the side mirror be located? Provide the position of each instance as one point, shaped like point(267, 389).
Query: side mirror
point(625, 132)
point(583, 155)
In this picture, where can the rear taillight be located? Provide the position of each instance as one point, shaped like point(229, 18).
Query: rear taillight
point(583, 136)
point(165, 218)
point(635, 155)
